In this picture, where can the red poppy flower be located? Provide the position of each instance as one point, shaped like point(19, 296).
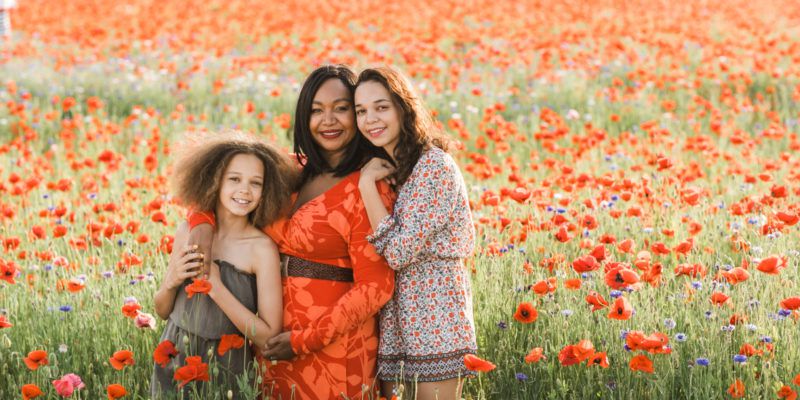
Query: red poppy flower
point(625, 246)
point(749, 351)
point(583, 350)
point(789, 303)
point(8, 271)
point(30, 391)
point(641, 363)
point(164, 353)
point(771, 265)
point(36, 359)
point(227, 342)
point(536, 354)
point(121, 359)
point(787, 393)
point(194, 370)
point(600, 359)
point(544, 286)
point(621, 277)
point(115, 391)
point(596, 301)
point(474, 363)
point(198, 286)
point(737, 389)
point(567, 356)
point(736, 275)
point(585, 263)
point(5, 323)
point(621, 310)
point(131, 309)
point(796, 380)
point(573, 284)
point(719, 298)
point(526, 313)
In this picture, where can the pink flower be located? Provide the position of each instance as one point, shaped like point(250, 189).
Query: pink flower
point(145, 320)
point(68, 384)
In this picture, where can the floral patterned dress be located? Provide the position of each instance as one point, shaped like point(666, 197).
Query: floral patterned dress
point(428, 327)
point(334, 324)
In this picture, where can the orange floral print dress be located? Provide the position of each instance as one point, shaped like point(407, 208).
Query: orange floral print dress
point(333, 324)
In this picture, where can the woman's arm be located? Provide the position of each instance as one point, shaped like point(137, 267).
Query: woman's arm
point(430, 200)
point(267, 323)
point(201, 233)
point(184, 263)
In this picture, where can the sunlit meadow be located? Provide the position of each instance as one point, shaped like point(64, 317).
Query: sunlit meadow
point(634, 170)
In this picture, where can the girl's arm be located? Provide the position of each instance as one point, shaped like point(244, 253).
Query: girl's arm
point(428, 206)
point(267, 323)
point(375, 170)
point(184, 263)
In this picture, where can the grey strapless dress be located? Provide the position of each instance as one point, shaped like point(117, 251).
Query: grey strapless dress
point(195, 327)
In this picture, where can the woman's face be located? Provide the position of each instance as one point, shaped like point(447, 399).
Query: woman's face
point(332, 121)
point(377, 115)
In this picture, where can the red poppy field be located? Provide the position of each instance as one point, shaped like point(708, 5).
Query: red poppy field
point(634, 175)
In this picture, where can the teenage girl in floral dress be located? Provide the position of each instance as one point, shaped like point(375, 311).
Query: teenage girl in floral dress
point(427, 327)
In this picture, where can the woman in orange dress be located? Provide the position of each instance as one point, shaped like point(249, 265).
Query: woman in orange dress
point(334, 281)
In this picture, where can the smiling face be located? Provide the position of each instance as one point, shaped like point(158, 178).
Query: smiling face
point(242, 182)
point(378, 117)
point(332, 122)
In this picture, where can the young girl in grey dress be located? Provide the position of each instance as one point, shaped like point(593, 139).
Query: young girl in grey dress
point(213, 314)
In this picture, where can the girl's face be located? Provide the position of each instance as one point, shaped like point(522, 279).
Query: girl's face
point(242, 181)
point(377, 115)
point(332, 121)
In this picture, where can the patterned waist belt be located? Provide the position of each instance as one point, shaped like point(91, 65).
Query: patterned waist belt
point(298, 267)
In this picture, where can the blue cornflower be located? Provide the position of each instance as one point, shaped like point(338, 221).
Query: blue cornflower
point(740, 358)
point(697, 285)
point(784, 313)
point(66, 308)
point(702, 362)
point(614, 197)
point(502, 325)
point(728, 328)
point(521, 377)
point(751, 327)
point(566, 313)
point(108, 274)
point(709, 314)
point(615, 293)
point(133, 281)
point(680, 337)
point(48, 267)
point(561, 210)
point(766, 339)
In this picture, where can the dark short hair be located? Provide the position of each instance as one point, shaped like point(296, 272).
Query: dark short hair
point(204, 159)
point(308, 154)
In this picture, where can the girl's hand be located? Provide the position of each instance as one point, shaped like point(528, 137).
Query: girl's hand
point(189, 264)
point(376, 169)
point(279, 347)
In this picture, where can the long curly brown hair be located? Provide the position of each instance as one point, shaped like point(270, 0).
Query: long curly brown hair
point(418, 132)
point(203, 159)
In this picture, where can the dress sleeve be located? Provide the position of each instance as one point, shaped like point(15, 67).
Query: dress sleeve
point(200, 217)
point(372, 288)
point(428, 204)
